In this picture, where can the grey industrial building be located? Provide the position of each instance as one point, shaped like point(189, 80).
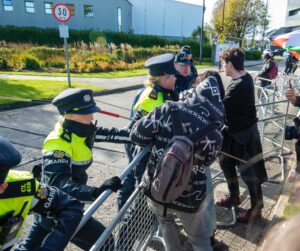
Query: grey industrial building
point(293, 15)
point(112, 15)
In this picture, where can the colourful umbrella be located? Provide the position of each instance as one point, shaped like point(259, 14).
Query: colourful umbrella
point(289, 41)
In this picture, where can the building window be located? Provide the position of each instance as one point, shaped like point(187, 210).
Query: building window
point(29, 7)
point(88, 10)
point(295, 12)
point(72, 8)
point(48, 8)
point(7, 5)
point(119, 19)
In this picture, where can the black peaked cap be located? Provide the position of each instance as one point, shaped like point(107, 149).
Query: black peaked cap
point(77, 101)
point(161, 65)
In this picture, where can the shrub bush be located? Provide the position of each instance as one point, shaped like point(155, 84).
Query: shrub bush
point(30, 63)
point(3, 64)
point(253, 55)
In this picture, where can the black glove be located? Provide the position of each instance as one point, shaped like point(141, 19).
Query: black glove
point(113, 135)
point(113, 183)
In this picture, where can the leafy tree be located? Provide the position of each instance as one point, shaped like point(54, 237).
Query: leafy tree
point(241, 17)
point(196, 34)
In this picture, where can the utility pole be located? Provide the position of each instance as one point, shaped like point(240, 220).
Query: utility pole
point(223, 16)
point(164, 18)
point(145, 17)
point(202, 32)
point(264, 27)
point(222, 30)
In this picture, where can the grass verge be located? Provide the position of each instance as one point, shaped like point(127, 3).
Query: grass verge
point(14, 91)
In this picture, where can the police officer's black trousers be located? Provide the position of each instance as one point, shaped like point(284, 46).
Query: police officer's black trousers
point(85, 238)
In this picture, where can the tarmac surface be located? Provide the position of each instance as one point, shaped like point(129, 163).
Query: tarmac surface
point(28, 127)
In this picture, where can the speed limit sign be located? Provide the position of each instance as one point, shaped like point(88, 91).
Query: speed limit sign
point(62, 12)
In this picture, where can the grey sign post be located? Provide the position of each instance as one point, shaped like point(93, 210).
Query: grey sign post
point(62, 13)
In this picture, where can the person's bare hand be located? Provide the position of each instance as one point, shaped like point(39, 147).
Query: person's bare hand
point(290, 94)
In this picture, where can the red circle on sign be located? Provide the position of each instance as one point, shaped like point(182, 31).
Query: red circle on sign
point(57, 17)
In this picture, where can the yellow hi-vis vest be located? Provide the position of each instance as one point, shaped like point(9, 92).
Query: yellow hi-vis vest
point(77, 150)
point(146, 102)
point(22, 187)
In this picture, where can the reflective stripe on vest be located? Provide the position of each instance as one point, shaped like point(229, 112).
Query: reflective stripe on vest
point(77, 150)
point(15, 204)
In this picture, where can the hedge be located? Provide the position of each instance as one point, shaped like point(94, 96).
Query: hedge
point(253, 55)
point(50, 37)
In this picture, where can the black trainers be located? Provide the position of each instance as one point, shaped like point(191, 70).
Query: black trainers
point(227, 201)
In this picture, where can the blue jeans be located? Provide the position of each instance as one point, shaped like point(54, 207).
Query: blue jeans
point(194, 224)
point(209, 203)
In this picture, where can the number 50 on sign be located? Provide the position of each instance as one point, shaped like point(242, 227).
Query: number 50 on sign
point(62, 12)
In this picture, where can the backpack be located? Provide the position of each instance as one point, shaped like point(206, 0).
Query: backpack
point(174, 168)
point(272, 74)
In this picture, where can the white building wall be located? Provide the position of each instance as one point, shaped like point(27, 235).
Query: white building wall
point(293, 20)
point(165, 17)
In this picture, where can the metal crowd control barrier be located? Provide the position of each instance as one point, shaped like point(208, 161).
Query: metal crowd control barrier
point(147, 216)
point(271, 126)
point(135, 225)
point(272, 129)
point(216, 179)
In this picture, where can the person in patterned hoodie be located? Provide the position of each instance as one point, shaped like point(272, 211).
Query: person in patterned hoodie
point(200, 107)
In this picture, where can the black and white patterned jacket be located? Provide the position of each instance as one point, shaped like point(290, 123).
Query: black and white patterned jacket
point(200, 107)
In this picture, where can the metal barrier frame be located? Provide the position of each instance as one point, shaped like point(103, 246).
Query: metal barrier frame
point(270, 154)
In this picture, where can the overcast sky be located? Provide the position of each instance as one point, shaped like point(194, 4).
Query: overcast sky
point(277, 11)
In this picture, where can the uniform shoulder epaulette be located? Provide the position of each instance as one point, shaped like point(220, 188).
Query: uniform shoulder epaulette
point(153, 94)
point(66, 135)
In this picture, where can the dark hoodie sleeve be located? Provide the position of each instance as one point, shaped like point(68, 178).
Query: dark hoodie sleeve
point(112, 135)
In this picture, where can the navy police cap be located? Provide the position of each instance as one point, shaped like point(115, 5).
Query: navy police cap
point(161, 65)
point(76, 101)
point(186, 49)
point(9, 157)
point(182, 58)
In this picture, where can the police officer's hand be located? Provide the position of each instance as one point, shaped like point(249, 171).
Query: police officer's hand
point(102, 134)
point(113, 183)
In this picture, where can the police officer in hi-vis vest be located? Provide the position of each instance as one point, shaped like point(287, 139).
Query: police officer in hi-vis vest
point(67, 154)
point(21, 194)
point(159, 87)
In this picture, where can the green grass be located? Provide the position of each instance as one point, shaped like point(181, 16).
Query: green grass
point(112, 74)
point(13, 91)
point(205, 64)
